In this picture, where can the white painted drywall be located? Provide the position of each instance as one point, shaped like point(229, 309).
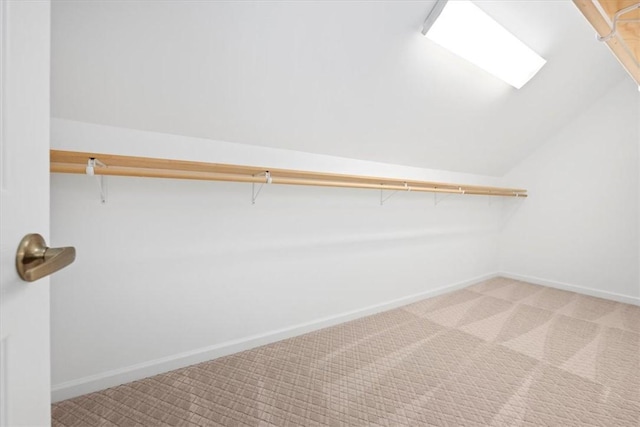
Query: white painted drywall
point(170, 269)
point(172, 272)
point(579, 226)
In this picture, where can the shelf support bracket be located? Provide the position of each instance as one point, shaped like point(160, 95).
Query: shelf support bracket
point(254, 193)
point(102, 180)
point(616, 19)
point(384, 199)
point(435, 196)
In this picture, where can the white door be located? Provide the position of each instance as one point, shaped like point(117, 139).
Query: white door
point(25, 392)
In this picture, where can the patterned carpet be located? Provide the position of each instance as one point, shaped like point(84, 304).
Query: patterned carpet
point(500, 353)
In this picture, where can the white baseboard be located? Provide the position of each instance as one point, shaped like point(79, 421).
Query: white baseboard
point(573, 288)
point(127, 374)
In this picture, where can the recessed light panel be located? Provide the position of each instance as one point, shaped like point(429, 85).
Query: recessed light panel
point(467, 31)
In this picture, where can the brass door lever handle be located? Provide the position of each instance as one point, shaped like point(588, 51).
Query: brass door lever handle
point(34, 260)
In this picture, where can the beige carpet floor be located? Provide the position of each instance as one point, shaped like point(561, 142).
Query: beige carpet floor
point(501, 353)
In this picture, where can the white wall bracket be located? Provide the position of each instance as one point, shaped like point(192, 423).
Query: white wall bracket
point(393, 193)
point(617, 19)
point(254, 193)
point(102, 180)
point(446, 196)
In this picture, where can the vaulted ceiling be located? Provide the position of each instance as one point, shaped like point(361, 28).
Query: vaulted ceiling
point(353, 78)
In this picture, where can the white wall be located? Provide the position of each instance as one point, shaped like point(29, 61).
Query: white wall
point(172, 272)
point(579, 227)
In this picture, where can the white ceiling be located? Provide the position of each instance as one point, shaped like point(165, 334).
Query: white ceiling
point(353, 79)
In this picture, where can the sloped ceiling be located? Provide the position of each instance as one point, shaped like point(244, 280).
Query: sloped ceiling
point(353, 79)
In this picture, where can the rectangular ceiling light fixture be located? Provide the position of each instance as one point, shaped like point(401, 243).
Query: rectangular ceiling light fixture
point(466, 30)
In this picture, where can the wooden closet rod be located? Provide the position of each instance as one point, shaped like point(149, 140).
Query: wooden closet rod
point(76, 162)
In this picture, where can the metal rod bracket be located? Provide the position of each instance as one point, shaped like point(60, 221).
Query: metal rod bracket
point(254, 193)
point(616, 20)
point(102, 181)
point(461, 192)
point(384, 199)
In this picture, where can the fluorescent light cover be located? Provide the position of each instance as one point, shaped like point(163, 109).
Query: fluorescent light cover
point(464, 29)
